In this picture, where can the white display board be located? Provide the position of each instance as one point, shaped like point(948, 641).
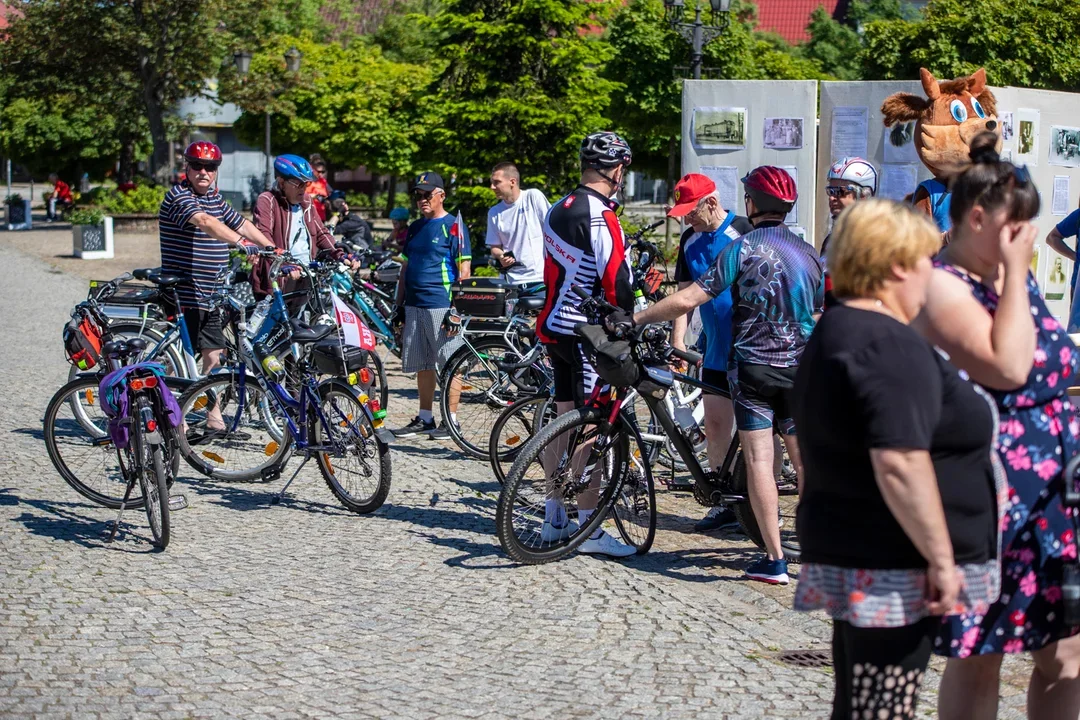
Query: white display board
point(1052, 159)
point(729, 127)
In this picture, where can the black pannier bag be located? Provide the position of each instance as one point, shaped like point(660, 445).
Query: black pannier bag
point(612, 359)
point(326, 355)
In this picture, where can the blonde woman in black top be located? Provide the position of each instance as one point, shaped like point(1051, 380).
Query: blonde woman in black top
point(897, 513)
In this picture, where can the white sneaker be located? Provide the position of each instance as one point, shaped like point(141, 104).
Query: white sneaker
point(550, 534)
point(606, 545)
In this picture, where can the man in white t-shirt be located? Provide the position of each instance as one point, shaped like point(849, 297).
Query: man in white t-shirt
point(515, 226)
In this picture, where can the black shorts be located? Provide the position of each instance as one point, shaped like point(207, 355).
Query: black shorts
point(573, 373)
point(718, 379)
point(761, 395)
point(204, 329)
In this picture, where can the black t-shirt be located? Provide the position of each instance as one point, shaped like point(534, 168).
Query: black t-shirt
point(682, 271)
point(867, 381)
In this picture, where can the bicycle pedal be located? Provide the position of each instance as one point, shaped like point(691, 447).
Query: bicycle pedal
point(102, 441)
point(177, 502)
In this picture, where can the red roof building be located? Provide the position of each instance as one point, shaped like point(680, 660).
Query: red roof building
point(789, 18)
point(8, 11)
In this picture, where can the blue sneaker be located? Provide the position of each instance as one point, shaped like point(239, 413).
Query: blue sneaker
point(773, 572)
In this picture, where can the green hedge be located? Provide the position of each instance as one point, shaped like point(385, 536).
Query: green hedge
point(143, 199)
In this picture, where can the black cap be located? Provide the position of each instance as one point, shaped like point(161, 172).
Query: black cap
point(429, 181)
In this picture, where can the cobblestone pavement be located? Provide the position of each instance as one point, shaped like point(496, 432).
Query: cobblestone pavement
point(305, 610)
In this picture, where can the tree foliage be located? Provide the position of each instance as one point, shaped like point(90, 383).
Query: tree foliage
point(521, 82)
point(1029, 44)
point(352, 105)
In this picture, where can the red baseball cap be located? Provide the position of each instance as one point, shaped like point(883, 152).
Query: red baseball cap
point(688, 193)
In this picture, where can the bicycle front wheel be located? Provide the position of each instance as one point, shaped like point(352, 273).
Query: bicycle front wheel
point(251, 446)
point(354, 463)
point(515, 426)
point(476, 391)
point(635, 505)
point(575, 462)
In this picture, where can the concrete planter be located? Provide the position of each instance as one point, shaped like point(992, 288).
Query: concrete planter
point(93, 242)
point(19, 216)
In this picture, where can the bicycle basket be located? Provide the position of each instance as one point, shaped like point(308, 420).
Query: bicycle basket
point(82, 341)
point(612, 359)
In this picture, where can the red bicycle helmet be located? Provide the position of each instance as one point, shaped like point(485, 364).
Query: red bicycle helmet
point(771, 189)
point(203, 152)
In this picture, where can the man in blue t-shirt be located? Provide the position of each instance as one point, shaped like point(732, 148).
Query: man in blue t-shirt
point(1069, 227)
point(711, 229)
point(437, 253)
point(777, 286)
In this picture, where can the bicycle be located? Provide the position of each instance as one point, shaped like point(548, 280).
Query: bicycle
point(327, 420)
point(588, 461)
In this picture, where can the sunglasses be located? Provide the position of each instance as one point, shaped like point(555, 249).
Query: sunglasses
point(295, 182)
point(423, 194)
point(837, 192)
point(208, 167)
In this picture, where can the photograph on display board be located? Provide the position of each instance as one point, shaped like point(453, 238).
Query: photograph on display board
point(1057, 282)
point(1035, 256)
point(1027, 137)
point(719, 128)
point(783, 133)
point(1065, 146)
point(900, 144)
point(1008, 127)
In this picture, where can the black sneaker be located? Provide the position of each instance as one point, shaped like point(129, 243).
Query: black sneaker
point(440, 433)
point(415, 427)
point(720, 517)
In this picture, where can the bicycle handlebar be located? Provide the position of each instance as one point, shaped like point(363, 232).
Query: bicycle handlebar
point(688, 355)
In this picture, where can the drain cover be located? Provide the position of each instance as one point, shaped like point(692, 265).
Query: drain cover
point(806, 658)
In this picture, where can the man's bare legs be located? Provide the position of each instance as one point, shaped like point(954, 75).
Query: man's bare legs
point(759, 451)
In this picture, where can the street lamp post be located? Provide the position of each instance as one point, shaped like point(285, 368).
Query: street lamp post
point(242, 61)
point(697, 33)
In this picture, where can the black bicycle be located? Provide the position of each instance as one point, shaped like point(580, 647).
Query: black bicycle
point(582, 458)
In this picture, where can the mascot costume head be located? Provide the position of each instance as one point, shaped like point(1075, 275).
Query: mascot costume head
point(946, 120)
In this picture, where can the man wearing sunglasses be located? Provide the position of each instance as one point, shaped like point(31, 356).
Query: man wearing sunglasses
point(850, 179)
point(437, 253)
point(197, 227)
point(287, 215)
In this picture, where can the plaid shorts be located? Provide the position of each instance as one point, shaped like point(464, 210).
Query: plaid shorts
point(426, 345)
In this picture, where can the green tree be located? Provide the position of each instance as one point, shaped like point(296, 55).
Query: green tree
point(352, 105)
point(521, 82)
point(1030, 44)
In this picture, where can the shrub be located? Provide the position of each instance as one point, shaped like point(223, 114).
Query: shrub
point(86, 216)
point(142, 199)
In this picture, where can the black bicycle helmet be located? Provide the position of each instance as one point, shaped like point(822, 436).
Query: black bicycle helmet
point(605, 150)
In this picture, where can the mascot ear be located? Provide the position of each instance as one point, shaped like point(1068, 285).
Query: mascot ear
point(903, 107)
point(929, 84)
point(977, 82)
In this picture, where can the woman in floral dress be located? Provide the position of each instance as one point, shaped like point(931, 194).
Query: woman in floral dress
point(985, 311)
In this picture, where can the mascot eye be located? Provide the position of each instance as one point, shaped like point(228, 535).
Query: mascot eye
point(978, 108)
point(959, 112)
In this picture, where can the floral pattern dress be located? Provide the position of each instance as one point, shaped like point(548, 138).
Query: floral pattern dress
point(1039, 432)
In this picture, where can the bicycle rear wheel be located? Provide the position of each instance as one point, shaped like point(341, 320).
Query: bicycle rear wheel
point(253, 445)
point(78, 443)
point(788, 492)
point(152, 481)
point(515, 426)
point(635, 505)
point(358, 473)
point(585, 458)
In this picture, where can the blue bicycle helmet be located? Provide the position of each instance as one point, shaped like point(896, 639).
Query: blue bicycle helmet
point(399, 213)
point(293, 166)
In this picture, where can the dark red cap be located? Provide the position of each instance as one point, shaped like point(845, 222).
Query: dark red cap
point(689, 191)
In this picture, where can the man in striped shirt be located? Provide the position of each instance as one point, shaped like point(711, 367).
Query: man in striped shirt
point(197, 227)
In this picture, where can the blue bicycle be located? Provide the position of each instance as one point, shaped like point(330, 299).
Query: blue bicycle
point(244, 423)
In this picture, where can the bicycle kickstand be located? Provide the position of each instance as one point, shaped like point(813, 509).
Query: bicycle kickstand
point(276, 500)
point(127, 496)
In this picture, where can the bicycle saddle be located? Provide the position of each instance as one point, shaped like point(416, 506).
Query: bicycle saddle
point(123, 348)
point(145, 273)
point(530, 303)
point(166, 281)
point(302, 334)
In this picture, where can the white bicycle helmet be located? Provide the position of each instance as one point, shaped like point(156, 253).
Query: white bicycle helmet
point(856, 171)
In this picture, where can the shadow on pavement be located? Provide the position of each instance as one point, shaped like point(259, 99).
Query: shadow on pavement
point(59, 521)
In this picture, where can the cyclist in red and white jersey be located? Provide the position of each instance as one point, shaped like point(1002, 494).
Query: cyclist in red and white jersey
point(584, 245)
